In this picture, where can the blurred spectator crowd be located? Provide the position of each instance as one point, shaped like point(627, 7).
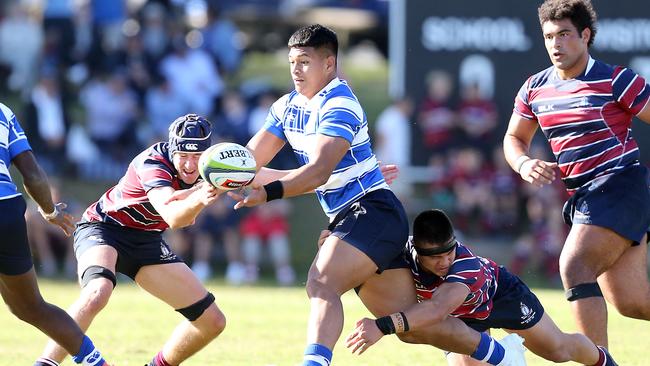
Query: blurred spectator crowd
point(100, 81)
point(465, 172)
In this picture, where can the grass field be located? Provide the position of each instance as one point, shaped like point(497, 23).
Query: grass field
point(266, 326)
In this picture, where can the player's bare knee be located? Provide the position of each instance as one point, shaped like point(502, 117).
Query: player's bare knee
point(316, 288)
point(95, 295)
point(29, 312)
point(574, 272)
point(205, 315)
point(630, 308)
point(313, 287)
point(212, 322)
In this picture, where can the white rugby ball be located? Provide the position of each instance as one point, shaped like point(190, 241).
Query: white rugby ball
point(227, 166)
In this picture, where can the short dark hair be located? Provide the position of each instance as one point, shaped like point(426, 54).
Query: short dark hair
point(580, 12)
point(316, 36)
point(432, 227)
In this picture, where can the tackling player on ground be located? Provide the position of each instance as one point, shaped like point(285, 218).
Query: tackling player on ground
point(452, 281)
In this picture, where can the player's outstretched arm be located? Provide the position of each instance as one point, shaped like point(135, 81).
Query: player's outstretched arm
point(445, 299)
point(179, 213)
point(516, 144)
point(37, 186)
point(328, 153)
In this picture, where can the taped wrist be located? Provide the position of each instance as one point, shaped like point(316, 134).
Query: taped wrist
point(520, 162)
point(274, 190)
point(393, 323)
point(385, 324)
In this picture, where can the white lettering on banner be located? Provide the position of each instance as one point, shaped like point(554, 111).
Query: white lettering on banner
point(623, 35)
point(484, 34)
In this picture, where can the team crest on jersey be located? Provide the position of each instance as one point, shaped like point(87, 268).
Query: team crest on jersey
point(527, 314)
point(165, 253)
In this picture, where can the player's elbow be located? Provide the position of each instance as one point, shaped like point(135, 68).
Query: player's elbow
point(321, 175)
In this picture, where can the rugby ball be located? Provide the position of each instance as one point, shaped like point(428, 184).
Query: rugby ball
point(227, 166)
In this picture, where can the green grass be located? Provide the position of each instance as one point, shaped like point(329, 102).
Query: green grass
point(266, 326)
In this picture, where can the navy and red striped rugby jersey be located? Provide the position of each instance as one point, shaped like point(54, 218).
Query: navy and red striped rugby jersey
point(587, 120)
point(479, 274)
point(126, 203)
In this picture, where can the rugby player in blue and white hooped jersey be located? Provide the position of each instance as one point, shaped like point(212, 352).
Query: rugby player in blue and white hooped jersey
point(325, 125)
point(453, 281)
point(585, 109)
point(18, 284)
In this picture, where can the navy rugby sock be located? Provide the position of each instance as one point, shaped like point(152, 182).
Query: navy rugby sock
point(44, 361)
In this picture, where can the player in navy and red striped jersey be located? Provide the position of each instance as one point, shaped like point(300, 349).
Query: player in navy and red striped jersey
point(585, 109)
point(452, 281)
point(122, 232)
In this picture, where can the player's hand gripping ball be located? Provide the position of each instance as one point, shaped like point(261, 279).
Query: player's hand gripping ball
point(227, 166)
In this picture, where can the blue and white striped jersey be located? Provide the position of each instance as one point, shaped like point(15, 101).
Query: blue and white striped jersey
point(12, 142)
point(334, 111)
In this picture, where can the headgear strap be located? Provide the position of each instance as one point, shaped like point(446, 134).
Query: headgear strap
point(447, 247)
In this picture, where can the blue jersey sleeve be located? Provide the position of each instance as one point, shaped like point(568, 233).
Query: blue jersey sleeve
point(341, 117)
point(274, 120)
point(17, 139)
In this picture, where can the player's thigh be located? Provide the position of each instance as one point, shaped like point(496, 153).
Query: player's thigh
point(98, 255)
point(625, 283)
point(173, 283)
point(590, 250)
point(340, 266)
point(543, 338)
point(388, 292)
point(93, 246)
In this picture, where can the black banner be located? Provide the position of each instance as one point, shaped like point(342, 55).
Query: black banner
point(497, 44)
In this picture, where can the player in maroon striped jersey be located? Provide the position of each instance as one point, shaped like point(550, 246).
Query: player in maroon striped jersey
point(452, 281)
point(122, 232)
point(585, 109)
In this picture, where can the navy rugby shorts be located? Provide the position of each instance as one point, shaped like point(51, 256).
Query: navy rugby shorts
point(377, 225)
point(514, 306)
point(620, 203)
point(135, 248)
point(15, 256)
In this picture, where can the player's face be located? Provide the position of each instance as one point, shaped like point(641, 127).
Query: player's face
point(311, 69)
point(187, 166)
point(438, 264)
point(567, 48)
